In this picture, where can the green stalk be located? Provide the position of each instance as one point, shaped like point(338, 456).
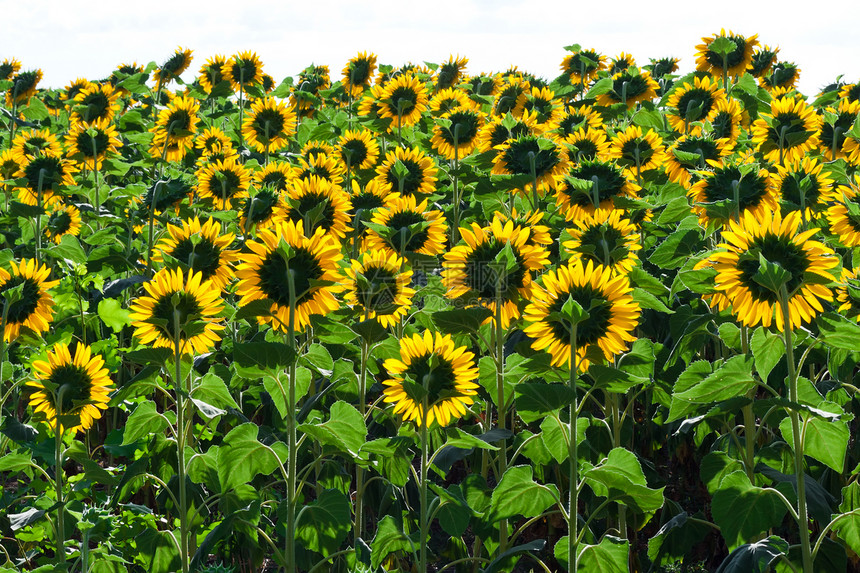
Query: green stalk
point(802, 514)
point(97, 205)
point(290, 550)
point(455, 229)
point(58, 484)
point(151, 224)
point(359, 471)
point(499, 336)
point(180, 442)
point(424, 526)
point(749, 416)
point(534, 179)
point(616, 443)
point(572, 516)
point(38, 231)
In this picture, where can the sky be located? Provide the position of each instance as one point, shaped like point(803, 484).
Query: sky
point(73, 38)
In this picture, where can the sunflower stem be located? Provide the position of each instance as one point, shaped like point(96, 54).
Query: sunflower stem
point(359, 471)
point(241, 102)
point(572, 511)
point(14, 118)
point(424, 526)
point(97, 205)
point(501, 415)
point(290, 550)
point(534, 179)
point(151, 224)
point(615, 409)
point(749, 415)
point(455, 228)
point(38, 230)
point(802, 514)
point(58, 483)
point(180, 440)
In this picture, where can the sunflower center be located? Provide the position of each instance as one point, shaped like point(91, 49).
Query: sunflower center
point(225, 182)
point(42, 172)
point(366, 202)
point(275, 180)
point(260, 206)
point(751, 188)
point(243, 71)
point(636, 149)
point(704, 148)
point(507, 100)
point(584, 149)
point(723, 125)
point(92, 146)
point(379, 290)
point(94, 106)
point(627, 87)
point(775, 249)
point(603, 244)
point(74, 387)
point(732, 59)
point(273, 276)
point(359, 72)
point(466, 126)
point(59, 222)
point(784, 126)
point(307, 203)
point(590, 330)
point(400, 222)
point(606, 177)
point(268, 124)
point(355, 152)
point(22, 309)
point(540, 105)
point(204, 257)
point(793, 193)
point(436, 377)
point(411, 182)
point(519, 155)
point(572, 123)
point(482, 278)
point(403, 99)
point(695, 104)
point(832, 136)
point(186, 305)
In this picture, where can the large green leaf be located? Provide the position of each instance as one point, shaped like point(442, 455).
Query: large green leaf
point(732, 379)
point(388, 539)
point(345, 429)
point(768, 349)
point(742, 510)
point(754, 557)
point(113, 315)
point(611, 555)
point(518, 494)
point(454, 512)
point(144, 422)
point(461, 321)
point(156, 551)
point(695, 373)
point(278, 387)
point(324, 523)
point(848, 526)
point(242, 456)
point(838, 331)
point(714, 467)
point(620, 478)
point(535, 400)
point(675, 539)
point(212, 390)
point(502, 560)
point(825, 440)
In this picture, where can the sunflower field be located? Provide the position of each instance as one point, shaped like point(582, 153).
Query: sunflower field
point(412, 319)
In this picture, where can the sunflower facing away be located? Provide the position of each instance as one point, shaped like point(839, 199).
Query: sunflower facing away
point(377, 287)
point(264, 274)
point(178, 122)
point(223, 182)
point(544, 159)
point(315, 203)
point(832, 135)
point(243, 70)
point(88, 144)
point(268, 125)
point(23, 87)
point(696, 102)
point(803, 185)
point(844, 215)
point(612, 314)
point(848, 294)
point(358, 149)
point(358, 73)
point(212, 72)
point(638, 151)
point(775, 238)
point(450, 72)
point(434, 380)
point(587, 144)
point(63, 220)
point(33, 308)
point(403, 101)
point(212, 140)
point(460, 137)
point(471, 273)
point(448, 100)
point(35, 142)
point(691, 154)
point(411, 228)
point(418, 176)
point(321, 165)
point(629, 87)
point(173, 67)
point(95, 102)
point(202, 248)
point(593, 185)
point(605, 237)
point(738, 60)
point(732, 190)
point(70, 392)
point(581, 117)
point(170, 294)
point(44, 174)
point(790, 133)
point(583, 65)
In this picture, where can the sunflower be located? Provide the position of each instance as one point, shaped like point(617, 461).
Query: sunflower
point(612, 314)
point(95, 102)
point(763, 58)
point(450, 72)
point(264, 273)
point(460, 137)
point(832, 135)
point(696, 102)
point(316, 203)
point(691, 153)
point(35, 142)
point(171, 296)
point(637, 151)
point(732, 190)
point(44, 174)
point(511, 97)
point(74, 89)
point(542, 102)
point(173, 150)
point(120, 73)
point(851, 150)
point(851, 92)
point(727, 119)
point(358, 149)
point(483, 85)
point(277, 176)
point(89, 143)
point(377, 287)
point(371, 104)
point(63, 220)
point(323, 166)
point(418, 176)
point(582, 117)
point(542, 158)
point(10, 163)
point(178, 122)
point(433, 380)
point(173, 67)
point(310, 81)
point(788, 132)
point(593, 184)
point(803, 186)
point(500, 130)
point(448, 100)
point(662, 67)
point(583, 65)
point(783, 75)
point(371, 196)
point(269, 125)
point(262, 209)
point(621, 63)
point(605, 237)
point(316, 147)
point(587, 144)
point(223, 182)
point(844, 215)
point(358, 73)
point(738, 60)
point(70, 392)
point(33, 310)
point(539, 235)
point(23, 87)
point(629, 87)
point(848, 294)
point(243, 70)
point(212, 140)
point(470, 274)
point(775, 239)
point(212, 73)
point(412, 228)
point(8, 68)
point(403, 101)
point(202, 248)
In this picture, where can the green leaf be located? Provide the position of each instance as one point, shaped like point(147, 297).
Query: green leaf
point(454, 512)
point(461, 321)
point(14, 462)
point(113, 314)
point(818, 500)
point(242, 457)
point(771, 275)
point(369, 330)
point(344, 430)
point(535, 400)
point(715, 466)
point(848, 526)
point(555, 435)
point(278, 387)
point(388, 539)
point(600, 87)
point(742, 510)
point(36, 110)
point(264, 355)
point(620, 478)
point(69, 249)
point(675, 539)
point(722, 46)
point(318, 358)
point(324, 524)
point(212, 390)
point(675, 249)
point(255, 308)
point(156, 551)
point(838, 331)
point(754, 557)
point(613, 379)
point(144, 422)
point(518, 494)
point(611, 555)
point(149, 356)
point(732, 379)
point(457, 438)
point(502, 560)
point(768, 349)
point(825, 440)
point(647, 300)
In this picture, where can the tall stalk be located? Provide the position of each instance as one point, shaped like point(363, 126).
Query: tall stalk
point(422, 486)
point(58, 483)
point(572, 516)
point(290, 549)
point(179, 389)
